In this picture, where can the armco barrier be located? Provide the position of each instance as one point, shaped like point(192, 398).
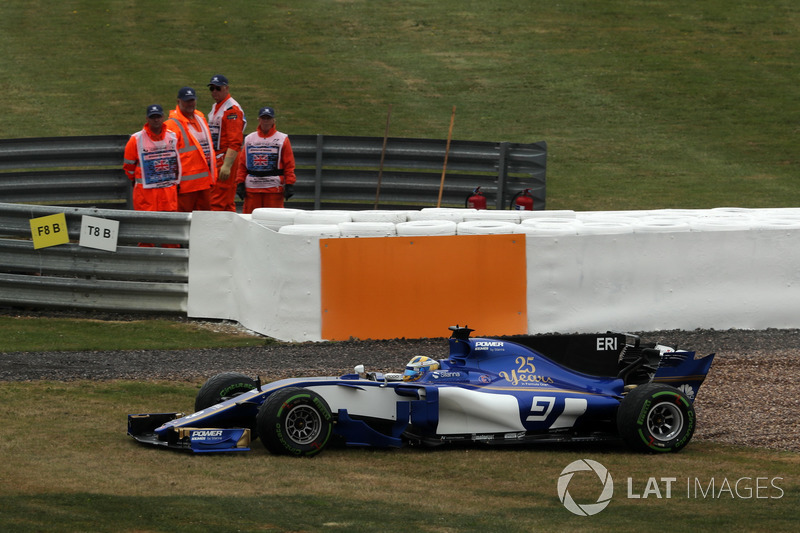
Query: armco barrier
point(332, 171)
point(132, 279)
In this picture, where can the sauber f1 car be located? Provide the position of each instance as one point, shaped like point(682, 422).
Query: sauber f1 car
point(516, 390)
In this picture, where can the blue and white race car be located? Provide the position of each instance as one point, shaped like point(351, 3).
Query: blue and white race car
point(517, 390)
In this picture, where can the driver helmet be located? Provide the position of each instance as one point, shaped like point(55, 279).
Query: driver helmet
point(418, 366)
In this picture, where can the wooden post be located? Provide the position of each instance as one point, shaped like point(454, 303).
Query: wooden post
point(446, 153)
point(383, 155)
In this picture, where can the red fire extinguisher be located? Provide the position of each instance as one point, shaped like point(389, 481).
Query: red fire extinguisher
point(522, 201)
point(477, 200)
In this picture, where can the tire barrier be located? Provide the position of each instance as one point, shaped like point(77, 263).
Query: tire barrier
point(414, 228)
point(571, 272)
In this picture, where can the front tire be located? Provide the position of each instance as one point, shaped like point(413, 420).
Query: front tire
point(656, 418)
point(223, 387)
point(295, 421)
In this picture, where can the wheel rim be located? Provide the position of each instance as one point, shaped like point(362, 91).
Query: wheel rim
point(303, 424)
point(664, 421)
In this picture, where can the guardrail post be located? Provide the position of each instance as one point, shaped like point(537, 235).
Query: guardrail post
point(318, 174)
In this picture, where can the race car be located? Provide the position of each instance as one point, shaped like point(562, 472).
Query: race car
point(492, 391)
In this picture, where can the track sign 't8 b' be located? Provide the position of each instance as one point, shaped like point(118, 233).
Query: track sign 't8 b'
point(49, 231)
point(100, 233)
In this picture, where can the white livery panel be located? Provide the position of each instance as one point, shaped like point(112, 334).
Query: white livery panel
point(467, 411)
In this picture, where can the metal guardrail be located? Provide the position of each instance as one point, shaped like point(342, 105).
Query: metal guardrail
point(347, 169)
point(132, 279)
point(83, 176)
point(332, 171)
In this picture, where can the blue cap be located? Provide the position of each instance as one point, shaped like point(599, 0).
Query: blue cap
point(266, 112)
point(219, 80)
point(187, 93)
point(153, 110)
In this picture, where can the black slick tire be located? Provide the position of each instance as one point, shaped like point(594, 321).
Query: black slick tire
point(295, 421)
point(222, 387)
point(655, 418)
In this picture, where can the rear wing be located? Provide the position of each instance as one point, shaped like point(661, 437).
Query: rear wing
point(684, 371)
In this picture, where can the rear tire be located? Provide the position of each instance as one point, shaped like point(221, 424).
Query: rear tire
point(295, 421)
point(656, 418)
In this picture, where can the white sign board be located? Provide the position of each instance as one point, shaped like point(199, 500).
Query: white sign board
point(100, 233)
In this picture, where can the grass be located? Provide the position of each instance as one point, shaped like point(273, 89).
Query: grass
point(643, 104)
point(26, 334)
point(70, 467)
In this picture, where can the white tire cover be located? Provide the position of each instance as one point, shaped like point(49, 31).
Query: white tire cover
point(779, 212)
point(547, 230)
point(609, 218)
point(542, 213)
point(426, 227)
point(440, 213)
point(328, 231)
point(322, 217)
point(490, 214)
point(662, 225)
point(275, 214)
point(536, 222)
point(485, 227)
point(367, 229)
point(378, 215)
point(776, 223)
point(274, 226)
point(739, 211)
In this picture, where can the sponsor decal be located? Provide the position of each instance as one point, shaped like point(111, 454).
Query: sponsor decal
point(525, 373)
point(205, 434)
point(605, 344)
point(448, 375)
point(688, 390)
point(485, 345)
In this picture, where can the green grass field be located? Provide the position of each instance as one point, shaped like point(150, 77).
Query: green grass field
point(68, 466)
point(21, 333)
point(643, 105)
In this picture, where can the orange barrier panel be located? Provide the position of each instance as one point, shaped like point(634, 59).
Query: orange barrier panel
point(415, 287)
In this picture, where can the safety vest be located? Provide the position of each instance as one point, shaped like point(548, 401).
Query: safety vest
point(199, 165)
point(215, 119)
point(159, 162)
point(263, 155)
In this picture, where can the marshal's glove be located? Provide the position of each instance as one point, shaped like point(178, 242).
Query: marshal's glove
point(288, 191)
point(241, 190)
point(227, 165)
